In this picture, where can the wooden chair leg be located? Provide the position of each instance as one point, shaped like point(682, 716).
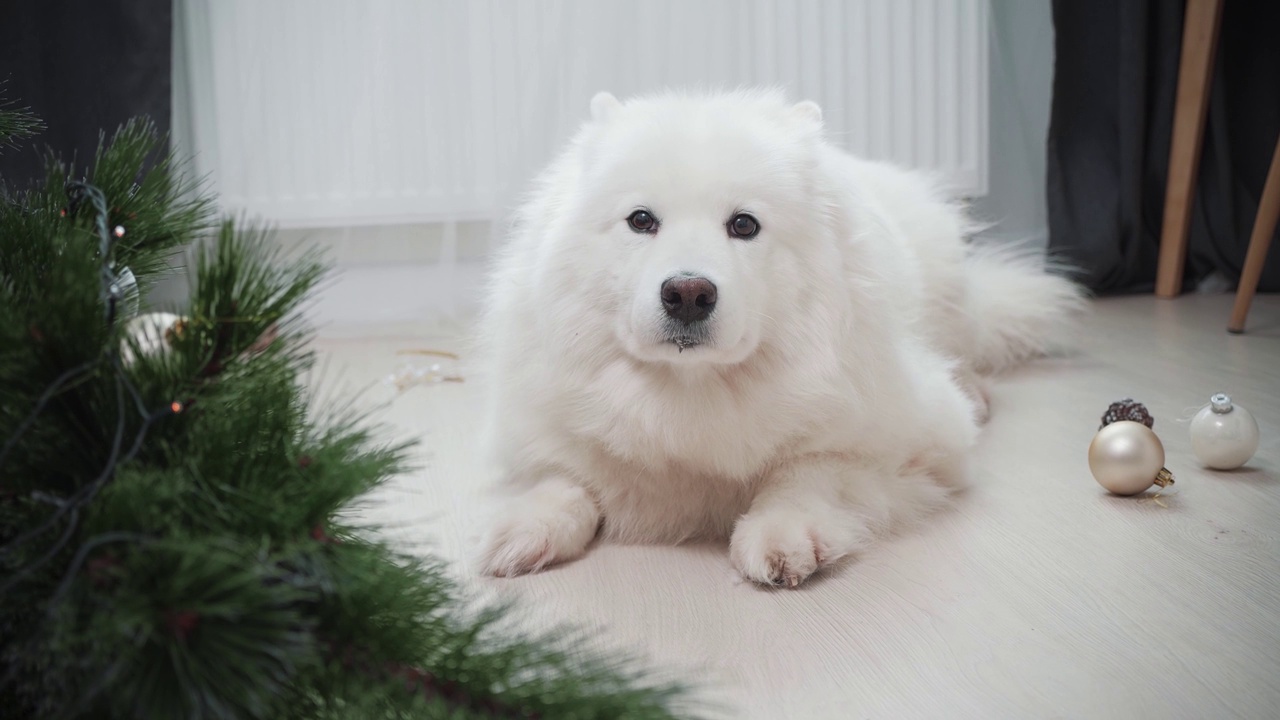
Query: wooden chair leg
point(1199, 40)
point(1259, 242)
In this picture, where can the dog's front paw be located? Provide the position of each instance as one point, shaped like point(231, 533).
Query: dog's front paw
point(519, 548)
point(554, 523)
point(779, 549)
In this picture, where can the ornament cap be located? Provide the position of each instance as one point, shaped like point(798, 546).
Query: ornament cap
point(1164, 478)
point(1221, 403)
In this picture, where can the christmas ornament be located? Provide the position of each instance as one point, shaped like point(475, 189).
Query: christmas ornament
point(1127, 409)
point(1224, 435)
point(409, 375)
point(1126, 457)
point(128, 296)
point(152, 332)
point(156, 331)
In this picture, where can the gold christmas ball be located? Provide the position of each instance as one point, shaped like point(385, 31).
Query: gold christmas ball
point(1126, 458)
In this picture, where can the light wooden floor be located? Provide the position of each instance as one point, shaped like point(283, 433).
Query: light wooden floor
point(1037, 596)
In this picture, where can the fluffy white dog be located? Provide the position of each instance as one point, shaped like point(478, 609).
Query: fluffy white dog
point(712, 322)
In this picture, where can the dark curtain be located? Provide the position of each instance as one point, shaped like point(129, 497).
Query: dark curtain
point(1111, 123)
point(82, 66)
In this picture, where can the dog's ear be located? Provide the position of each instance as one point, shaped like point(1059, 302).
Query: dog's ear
point(604, 106)
point(808, 111)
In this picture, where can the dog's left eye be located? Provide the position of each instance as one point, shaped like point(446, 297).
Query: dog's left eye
point(743, 226)
point(642, 221)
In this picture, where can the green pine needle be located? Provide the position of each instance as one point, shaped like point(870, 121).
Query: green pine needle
point(15, 123)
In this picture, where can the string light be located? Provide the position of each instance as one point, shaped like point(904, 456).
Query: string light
point(78, 193)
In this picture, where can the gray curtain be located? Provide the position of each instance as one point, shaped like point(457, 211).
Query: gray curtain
point(1115, 77)
point(83, 66)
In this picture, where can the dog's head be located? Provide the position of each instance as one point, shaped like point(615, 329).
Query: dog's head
point(694, 222)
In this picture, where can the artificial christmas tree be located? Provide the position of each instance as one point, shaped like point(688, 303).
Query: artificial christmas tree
point(172, 541)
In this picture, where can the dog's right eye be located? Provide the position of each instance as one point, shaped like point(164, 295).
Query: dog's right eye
point(642, 221)
point(743, 226)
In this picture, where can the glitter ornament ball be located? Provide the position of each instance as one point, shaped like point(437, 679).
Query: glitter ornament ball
point(1126, 458)
point(130, 296)
point(1224, 435)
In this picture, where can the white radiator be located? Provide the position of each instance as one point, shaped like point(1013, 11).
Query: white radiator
point(344, 112)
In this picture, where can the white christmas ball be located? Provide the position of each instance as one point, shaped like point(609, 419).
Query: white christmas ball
point(1224, 435)
point(148, 332)
point(1125, 457)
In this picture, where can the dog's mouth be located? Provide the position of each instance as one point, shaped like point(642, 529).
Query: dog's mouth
point(672, 339)
point(686, 337)
point(684, 342)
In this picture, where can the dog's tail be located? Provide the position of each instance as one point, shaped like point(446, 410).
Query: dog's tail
point(1021, 305)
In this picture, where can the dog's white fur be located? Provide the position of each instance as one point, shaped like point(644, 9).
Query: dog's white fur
point(839, 387)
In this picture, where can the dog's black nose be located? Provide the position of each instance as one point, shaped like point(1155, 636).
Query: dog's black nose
point(689, 299)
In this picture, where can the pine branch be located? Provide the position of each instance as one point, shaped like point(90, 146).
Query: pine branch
point(15, 123)
point(171, 537)
point(423, 684)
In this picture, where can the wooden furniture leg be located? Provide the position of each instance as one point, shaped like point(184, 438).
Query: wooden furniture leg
point(1259, 242)
point(1199, 40)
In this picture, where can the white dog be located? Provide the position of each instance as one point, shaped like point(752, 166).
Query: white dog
point(712, 322)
